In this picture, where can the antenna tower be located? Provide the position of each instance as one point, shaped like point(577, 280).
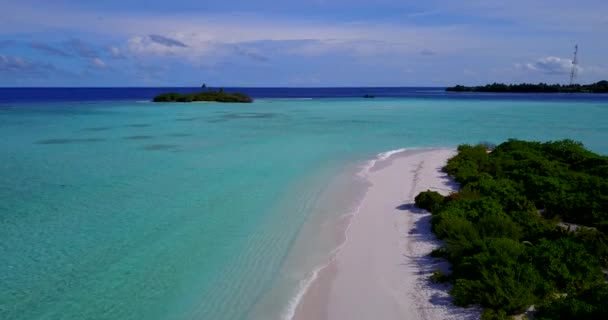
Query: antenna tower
point(574, 71)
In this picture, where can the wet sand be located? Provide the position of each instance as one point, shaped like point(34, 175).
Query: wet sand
point(382, 270)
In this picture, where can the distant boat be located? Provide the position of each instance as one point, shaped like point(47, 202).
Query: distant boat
point(369, 96)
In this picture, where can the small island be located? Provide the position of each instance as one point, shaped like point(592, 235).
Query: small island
point(598, 87)
point(211, 96)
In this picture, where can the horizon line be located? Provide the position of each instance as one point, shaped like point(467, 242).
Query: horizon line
point(215, 87)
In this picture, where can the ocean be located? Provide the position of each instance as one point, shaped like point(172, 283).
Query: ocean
point(113, 207)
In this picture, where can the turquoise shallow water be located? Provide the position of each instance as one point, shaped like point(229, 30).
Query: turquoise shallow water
point(125, 210)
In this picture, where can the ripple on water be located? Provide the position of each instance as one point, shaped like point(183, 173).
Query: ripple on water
point(217, 120)
point(97, 129)
point(138, 137)
point(252, 115)
point(354, 121)
point(66, 141)
point(138, 125)
point(178, 134)
point(155, 147)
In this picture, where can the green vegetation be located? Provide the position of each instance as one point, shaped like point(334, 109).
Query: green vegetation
point(502, 230)
point(217, 96)
point(598, 87)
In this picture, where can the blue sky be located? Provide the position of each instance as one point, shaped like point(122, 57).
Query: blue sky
point(299, 43)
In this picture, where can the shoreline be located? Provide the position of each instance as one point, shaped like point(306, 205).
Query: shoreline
point(381, 268)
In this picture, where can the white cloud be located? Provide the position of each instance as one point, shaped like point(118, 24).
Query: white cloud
point(192, 30)
point(202, 40)
point(145, 45)
point(549, 65)
point(115, 52)
point(477, 35)
point(98, 63)
point(166, 41)
point(80, 48)
point(14, 64)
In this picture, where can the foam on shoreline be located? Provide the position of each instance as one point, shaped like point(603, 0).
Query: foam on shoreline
point(369, 165)
point(336, 296)
point(305, 284)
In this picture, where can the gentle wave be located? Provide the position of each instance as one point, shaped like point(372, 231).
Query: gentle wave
point(305, 284)
point(369, 165)
point(270, 99)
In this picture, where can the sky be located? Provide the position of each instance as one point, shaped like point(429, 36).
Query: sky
point(306, 43)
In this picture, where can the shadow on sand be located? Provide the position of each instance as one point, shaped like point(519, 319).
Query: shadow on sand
point(421, 235)
point(411, 207)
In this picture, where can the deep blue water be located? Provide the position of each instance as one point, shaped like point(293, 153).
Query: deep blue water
point(12, 95)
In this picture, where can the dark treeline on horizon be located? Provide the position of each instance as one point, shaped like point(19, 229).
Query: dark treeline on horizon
point(210, 96)
point(598, 87)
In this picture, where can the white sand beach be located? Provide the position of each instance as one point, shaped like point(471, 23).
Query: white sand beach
point(382, 270)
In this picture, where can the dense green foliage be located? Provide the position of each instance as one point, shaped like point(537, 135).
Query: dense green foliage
point(586, 305)
point(598, 87)
point(217, 96)
point(502, 230)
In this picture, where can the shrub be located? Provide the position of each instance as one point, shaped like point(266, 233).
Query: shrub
point(466, 292)
point(505, 255)
point(429, 200)
point(589, 304)
point(439, 277)
point(566, 264)
point(491, 314)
